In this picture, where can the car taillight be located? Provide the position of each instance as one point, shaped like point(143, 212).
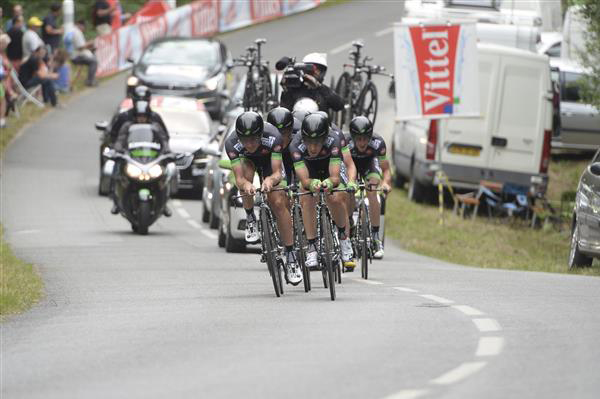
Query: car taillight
point(432, 138)
point(545, 162)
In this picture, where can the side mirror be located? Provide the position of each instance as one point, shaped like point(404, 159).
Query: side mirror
point(229, 65)
point(225, 164)
point(130, 60)
point(101, 126)
point(211, 149)
point(221, 129)
point(392, 89)
point(595, 168)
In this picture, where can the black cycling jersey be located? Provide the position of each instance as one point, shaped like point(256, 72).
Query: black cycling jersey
point(270, 148)
point(288, 163)
point(318, 167)
point(367, 162)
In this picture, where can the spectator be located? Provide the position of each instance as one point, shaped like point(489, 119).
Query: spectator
point(102, 16)
point(15, 48)
point(4, 41)
point(82, 52)
point(31, 39)
point(51, 33)
point(63, 81)
point(17, 11)
point(34, 71)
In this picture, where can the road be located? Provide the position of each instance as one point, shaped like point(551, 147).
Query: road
point(171, 315)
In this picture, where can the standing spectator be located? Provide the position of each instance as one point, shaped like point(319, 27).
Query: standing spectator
point(31, 39)
point(4, 41)
point(15, 48)
point(34, 71)
point(82, 52)
point(51, 33)
point(102, 15)
point(17, 11)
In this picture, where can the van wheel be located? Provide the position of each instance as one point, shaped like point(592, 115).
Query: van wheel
point(417, 192)
point(399, 180)
point(231, 244)
point(576, 258)
point(222, 237)
point(205, 213)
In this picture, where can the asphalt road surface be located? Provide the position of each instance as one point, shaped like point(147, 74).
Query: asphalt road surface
point(172, 315)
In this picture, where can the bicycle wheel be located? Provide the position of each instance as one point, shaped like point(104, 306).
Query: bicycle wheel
point(366, 104)
point(363, 244)
point(270, 248)
point(329, 250)
point(342, 88)
point(301, 247)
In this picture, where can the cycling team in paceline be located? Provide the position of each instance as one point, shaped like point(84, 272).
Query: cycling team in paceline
point(298, 143)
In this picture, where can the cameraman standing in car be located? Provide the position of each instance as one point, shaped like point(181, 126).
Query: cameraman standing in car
point(309, 85)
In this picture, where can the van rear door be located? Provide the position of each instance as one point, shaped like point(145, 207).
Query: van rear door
point(523, 112)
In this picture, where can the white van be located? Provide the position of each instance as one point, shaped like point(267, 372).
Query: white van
point(508, 143)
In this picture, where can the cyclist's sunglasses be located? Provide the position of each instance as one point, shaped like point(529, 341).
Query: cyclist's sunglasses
point(317, 140)
point(249, 140)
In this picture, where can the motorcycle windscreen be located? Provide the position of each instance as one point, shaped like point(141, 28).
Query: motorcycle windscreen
point(142, 143)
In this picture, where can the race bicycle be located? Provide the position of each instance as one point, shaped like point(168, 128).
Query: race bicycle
point(359, 94)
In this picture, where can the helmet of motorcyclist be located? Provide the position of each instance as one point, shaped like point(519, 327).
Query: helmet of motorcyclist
point(141, 109)
point(141, 93)
point(361, 126)
point(319, 60)
point(315, 126)
point(306, 104)
point(249, 124)
point(281, 118)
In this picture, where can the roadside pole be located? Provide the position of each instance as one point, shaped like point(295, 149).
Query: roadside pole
point(68, 9)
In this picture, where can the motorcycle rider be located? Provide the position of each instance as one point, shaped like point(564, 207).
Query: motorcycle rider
point(313, 86)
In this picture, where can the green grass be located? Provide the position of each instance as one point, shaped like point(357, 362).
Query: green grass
point(20, 284)
point(483, 243)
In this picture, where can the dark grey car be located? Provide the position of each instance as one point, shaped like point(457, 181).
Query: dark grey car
point(585, 232)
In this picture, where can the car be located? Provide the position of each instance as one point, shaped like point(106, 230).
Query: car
point(585, 226)
point(550, 44)
point(185, 67)
point(215, 178)
point(579, 121)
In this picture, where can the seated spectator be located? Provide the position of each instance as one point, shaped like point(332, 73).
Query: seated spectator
point(81, 52)
point(15, 48)
point(51, 33)
point(31, 39)
point(34, 71)
point(61, 67)
point(7, 92)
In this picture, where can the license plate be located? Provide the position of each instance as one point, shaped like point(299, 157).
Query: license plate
point(464, 150)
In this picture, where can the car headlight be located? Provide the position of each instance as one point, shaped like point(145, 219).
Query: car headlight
point(155, 171)
point(132, 81)
point(213, 83)
point(133, 171)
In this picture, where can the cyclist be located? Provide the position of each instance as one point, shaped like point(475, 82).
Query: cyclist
point(316, 154)
point(369, 154)
point(256, 147)
point(313, 87)
point(284, 121)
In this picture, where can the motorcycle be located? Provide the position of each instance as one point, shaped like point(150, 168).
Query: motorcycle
point(144, 177)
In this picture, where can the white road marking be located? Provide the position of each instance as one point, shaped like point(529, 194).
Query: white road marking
point(459, 373)
point(404, 289)
point(176, 203)
point(487, 325)
point(469, 311)
point(372, 282)
point(489, 346)
point(384, 32)
point(183, 213)
point(438, 299)
point(209, 234)
point(408, 394)
point(33, 231)
point(194, 224)
point(341, 48)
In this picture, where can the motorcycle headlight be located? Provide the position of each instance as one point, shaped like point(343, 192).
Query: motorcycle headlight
point(132, 81)
point(133, 171)
point(213, 83)
point(155, 171)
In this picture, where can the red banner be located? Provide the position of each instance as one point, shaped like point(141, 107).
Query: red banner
point(435, 53)
point(107, 52)
point(262, 10)
point(153, 29)
point(205, 17)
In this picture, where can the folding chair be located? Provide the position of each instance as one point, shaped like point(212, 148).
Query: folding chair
point(25, 95)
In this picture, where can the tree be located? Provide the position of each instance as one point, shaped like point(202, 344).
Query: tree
point(589, 10)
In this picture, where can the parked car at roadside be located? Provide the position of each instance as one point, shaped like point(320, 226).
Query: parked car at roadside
point(579, 121)
point(585, 226)
point(185, 67)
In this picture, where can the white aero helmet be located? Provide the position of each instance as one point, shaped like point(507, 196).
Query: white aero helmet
point(305, 104)
point(319, 59)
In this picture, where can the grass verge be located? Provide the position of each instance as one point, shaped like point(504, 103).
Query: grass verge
point(20, 284)
point(497, 244)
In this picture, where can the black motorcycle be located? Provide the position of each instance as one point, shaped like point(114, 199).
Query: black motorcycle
point(143, 177)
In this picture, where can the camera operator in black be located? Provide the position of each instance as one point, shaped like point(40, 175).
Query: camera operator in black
point(312, 86)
